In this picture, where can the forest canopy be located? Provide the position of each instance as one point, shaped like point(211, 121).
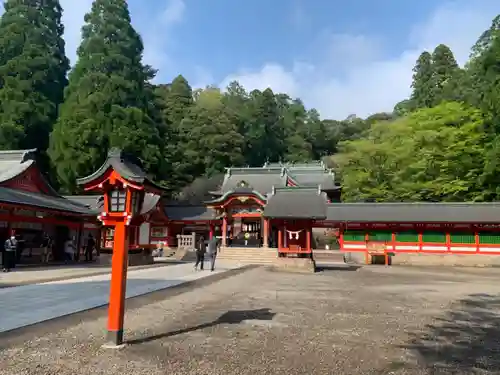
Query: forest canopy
point(439, 144)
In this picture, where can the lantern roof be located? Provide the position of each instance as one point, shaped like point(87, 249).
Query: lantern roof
point(127, 166)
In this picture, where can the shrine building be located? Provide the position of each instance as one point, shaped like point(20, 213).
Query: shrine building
point(279, 209)
point(30, 207)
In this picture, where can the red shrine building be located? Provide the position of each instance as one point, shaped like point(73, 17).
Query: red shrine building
point(30, 207)
point(277, 208)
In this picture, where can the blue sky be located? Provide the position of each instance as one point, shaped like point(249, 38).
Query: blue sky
point(341, 57)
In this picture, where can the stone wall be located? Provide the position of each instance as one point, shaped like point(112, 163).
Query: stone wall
point(300, 265)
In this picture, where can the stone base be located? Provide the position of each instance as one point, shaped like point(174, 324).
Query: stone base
point(457, 260)
point(300, 265)
point(133, 259)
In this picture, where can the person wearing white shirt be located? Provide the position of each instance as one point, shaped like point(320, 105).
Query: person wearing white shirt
point(69, 249)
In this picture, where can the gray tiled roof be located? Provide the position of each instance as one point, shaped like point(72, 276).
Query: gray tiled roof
point(296, 203)
point(261, 180)
point(314, 179)
point(15, 162)
point(24, 198)
point(96, 202)
point(178, 212)
point(415, 212)
point(128, 166)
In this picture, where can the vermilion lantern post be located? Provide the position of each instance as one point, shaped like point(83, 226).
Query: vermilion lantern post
point(123, 183)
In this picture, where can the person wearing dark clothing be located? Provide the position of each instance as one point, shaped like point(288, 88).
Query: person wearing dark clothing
point(201, 249)
point(46, 248)
point(89, 248)
point(10, 253)
point(213, 247)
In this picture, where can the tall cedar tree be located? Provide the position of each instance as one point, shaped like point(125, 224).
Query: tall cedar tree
point(107, 100)
point(177, 99)
point(421, 96)
point(445, 71)
point(33, 69)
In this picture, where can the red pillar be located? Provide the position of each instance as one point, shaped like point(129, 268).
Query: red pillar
point(211, 233)
point(265, 235)
point(308, 239)
point(224, 231)
point(280, 238)
point(118, 286)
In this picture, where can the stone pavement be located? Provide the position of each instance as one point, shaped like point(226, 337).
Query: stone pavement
point(28, 275)
point(30, 304)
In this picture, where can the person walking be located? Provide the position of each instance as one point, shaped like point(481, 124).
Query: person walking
point(10, 253)
point(213, 248)
point(201, 249)
point(89, 248)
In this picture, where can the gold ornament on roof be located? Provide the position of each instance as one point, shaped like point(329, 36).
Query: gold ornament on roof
point(243, 199)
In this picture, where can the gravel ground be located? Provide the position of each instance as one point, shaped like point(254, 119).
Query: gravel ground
point(374, 320)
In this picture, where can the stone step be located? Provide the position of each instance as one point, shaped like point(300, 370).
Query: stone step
point(328, 255)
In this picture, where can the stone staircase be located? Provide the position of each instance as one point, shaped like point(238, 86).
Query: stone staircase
point(248, 255)
point(328, 256)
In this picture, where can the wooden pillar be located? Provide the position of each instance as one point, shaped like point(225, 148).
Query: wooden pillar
point(280, 238)
point(265, 235)
point(224, 231)
point(118, 285)
point(476, 238)
point(308, 238)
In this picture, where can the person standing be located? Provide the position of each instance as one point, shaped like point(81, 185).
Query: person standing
point(89, 248)
point(201, 249)
point(213, 248)
point(69, 249)
point(10, 253)
point(46, 248)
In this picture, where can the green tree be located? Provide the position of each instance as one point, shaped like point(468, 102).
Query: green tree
point(107, 100)
point(445, 71)
point(33, 69)
point(421, 96)
point(265, 133)
point(178, 100)
point(434, 154)
point(480, 72)
point(209, 139)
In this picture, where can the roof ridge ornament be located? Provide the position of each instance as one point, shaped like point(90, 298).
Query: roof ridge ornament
point(319, 189)
point(273, 191)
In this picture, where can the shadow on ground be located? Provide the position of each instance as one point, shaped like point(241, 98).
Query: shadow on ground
point(230, 317)
point(465, 340)
point(322, 268)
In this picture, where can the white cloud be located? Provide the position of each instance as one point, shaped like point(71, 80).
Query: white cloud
point(355, 79)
